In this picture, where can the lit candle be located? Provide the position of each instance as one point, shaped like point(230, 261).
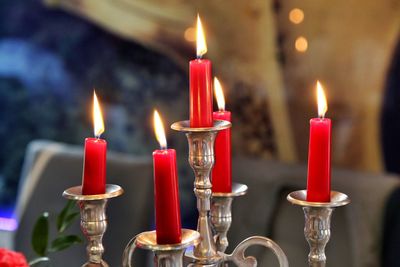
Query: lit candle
point(201, 99)
point(166, 192)
point(319, 153)
point(94, 166)
point(222, 171)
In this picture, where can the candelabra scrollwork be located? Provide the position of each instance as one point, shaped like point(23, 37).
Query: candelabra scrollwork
point(238, 255)
point(317, 229)
point(93, 219)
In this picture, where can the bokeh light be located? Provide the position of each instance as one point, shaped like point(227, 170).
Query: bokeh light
point(296, 15)
point(301, 44)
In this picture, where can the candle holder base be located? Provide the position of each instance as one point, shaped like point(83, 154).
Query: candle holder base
point(169, 255)
point(93, 219)
point(317, 230)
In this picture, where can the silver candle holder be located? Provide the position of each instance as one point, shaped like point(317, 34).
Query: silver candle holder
point(215, 215)
point(317, 229)
point(215, 209)
point(93, 219)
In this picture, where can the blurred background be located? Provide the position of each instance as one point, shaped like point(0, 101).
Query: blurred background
point(267, 54)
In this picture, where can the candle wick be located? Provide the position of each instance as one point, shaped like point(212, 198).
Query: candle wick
point(199, 56)
point(322, 117)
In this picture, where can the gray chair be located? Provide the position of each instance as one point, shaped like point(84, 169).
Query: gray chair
point(51, 167)
point(356, 229)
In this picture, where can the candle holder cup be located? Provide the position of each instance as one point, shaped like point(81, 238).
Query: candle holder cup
point(93, 219)
point(169, 255)
point(317, 229)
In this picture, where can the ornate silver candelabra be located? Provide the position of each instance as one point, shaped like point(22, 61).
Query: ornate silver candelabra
point(93, 219)
point(317, 229)
point(214, 214)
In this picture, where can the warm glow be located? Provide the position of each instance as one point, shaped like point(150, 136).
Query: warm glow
point(321, 98)
point(97, 117)
point(159, 130)
point(190, 34)
point(200, 38)
point(296, 15)
point(219, 94)
point(301, 44)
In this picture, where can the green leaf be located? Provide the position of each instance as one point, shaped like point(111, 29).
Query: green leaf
point(61, 218)
point(69, 219)
point(64, 242)
point(39, 260)
point(40, 235)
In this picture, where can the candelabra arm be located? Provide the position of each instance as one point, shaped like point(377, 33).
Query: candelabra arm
point(128, 252)
point(238, 255)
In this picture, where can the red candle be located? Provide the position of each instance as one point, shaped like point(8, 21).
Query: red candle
point(319, 154)
point(201, 99)
point(166, 192)
point(94, 166)
point(222, 171)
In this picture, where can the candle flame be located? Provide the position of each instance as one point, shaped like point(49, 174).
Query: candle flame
point(97, 117)
point(159, 130)
point(219, 94)
point(200, 39)
point(321, 98)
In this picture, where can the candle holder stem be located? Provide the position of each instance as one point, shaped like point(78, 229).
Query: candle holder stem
point(317, 229)
point(94, 225)
point(221, 214)
point(201, 159)
point(93, 220)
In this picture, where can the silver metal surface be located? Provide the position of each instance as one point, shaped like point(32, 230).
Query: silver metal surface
point(317, 229)
point(184, 126)
point(170, 255)
point(75, 193)
point(221, 214)
point(300, 198)
point(93, 219)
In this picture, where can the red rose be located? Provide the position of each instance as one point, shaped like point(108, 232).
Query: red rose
point(10, 258)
